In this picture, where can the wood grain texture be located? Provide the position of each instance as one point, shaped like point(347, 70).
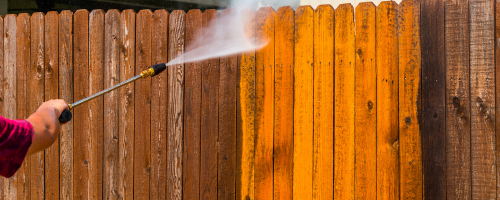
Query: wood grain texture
point(159, 104)
point(66, 70)
point(35, 84)
point(264, 104)
point(482, 98)
point(9, 86)
point(126, 105)
point(226, 166)
point(409, 100)
point(365, 108)
point(245, 111)
point(283, 103)
point(3, 180)
point(209, 119)
point(344, 102)
point(458, 157)
point(324, 33)
point(81, 115)
point(142, 141)
point(96, 84)
point(175, 127)
point(303, 114)
point(387, 101)
point(497, 92)
point(111, 121)
point(433, 99)
point(192, 112)
point(23, 46)
point(51, 73)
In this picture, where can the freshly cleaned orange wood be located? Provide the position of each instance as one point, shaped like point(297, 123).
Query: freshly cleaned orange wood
point(159, 104)
point(264, 104)
point(303, 126)
point(23, 35)
point(51, 71)
point(410, 158)
point(365, 108)
point(66, 92)
point(283, 103)
point(324, 37)
point(245, 110)
point(126, 105)
point(35, 82)
point(142, 146)
point(387, 101)
point(344, 102)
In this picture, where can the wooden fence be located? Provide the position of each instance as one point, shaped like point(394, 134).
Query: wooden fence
point(377, 102)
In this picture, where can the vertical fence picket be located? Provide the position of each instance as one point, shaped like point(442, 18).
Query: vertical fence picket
point(142, 107)
point(66, 71)
point(365, 103)
point(303, 94)
point(23, 46)
point(344, 102)
point(497, 95)
point(9, 88)
point(111, 121)
point(386, 51)
point(96, 84)
point(482, 98)
point(175, 133)
point(126, 105)
point(3, 180)
point(458, 157)
point(51, 72)
point(226, 167)
point(245, 114)
point(82, 143)
point(159, 104)
point(324, 43)
point(264, 104)
point(35, 97)
point(409, 102)
point(283, 103)
point(209, 118)
point(192, 112)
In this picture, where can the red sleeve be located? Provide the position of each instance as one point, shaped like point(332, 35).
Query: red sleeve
point(15, 139)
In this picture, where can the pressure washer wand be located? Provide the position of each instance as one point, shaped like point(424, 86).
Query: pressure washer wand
point(150, 71)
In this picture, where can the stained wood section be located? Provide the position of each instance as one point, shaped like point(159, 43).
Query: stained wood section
point(192, 112)
point(433, 99)
point(245, 111)
point(9, 86)
point(283, 102)
point(344, 102)
point(23, 46)
point(365, 103)
point(324, 37)
point(96, 84)
point(264, 104)
point(111, 121)
point(497, 91)
point(82, 129)
point(159, 104)
point(66, 70)
point(303, 128)
point(35, 82)
point(142, 146)
point(482, 98)
point(458, 157)
point(209, 118)
point(409, 100)
point(51, 73)
point(126, 103)
point(387, 101)
point(3, 180)
point(175, 127)
point(226, 166)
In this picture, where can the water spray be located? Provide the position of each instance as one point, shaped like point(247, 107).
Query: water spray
point(149, 72)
